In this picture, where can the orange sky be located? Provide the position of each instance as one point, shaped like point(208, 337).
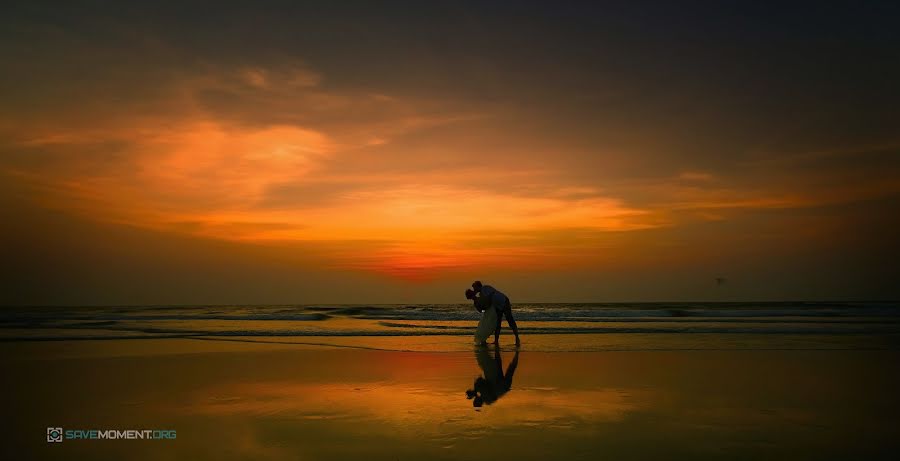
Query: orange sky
point(499, 170)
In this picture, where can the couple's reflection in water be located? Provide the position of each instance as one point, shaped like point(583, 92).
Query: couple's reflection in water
point(494, 383)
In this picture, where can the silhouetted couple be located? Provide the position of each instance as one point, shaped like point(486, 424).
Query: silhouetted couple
point(494, 384)
point(493, 305)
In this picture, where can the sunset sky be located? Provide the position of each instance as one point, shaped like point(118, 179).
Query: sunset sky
point(370, 152)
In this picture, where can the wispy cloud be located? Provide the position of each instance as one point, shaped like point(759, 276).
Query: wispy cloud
point(228, 140)
point(273, 155)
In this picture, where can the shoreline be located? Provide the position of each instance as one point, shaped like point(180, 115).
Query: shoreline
point(608, 342)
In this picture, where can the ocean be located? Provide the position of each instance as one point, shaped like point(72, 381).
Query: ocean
point(746, 324)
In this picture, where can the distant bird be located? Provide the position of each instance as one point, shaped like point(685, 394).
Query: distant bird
point(720, 281)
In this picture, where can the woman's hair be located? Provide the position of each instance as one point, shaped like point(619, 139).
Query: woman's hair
point(470, 294)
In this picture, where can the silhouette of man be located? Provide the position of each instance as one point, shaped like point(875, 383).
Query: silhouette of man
point(494, 384)
point(481, 303)
point(500, 302)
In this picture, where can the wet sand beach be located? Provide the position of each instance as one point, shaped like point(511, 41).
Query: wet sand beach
point(368, 400)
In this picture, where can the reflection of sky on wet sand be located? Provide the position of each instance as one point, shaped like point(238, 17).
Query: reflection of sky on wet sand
point(700, 406)
point(414, 402)
point(252, 401)
point(401, 406)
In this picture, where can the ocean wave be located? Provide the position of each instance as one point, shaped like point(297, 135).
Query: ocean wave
point(531, 311)
point(24, 323)
point(69, 334)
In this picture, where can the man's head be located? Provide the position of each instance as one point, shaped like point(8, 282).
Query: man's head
point(476, 285)
point(470, 294)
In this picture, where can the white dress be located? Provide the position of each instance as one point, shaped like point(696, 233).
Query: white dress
point(486, 326)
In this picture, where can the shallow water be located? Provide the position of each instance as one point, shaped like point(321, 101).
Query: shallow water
point(783, 318)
